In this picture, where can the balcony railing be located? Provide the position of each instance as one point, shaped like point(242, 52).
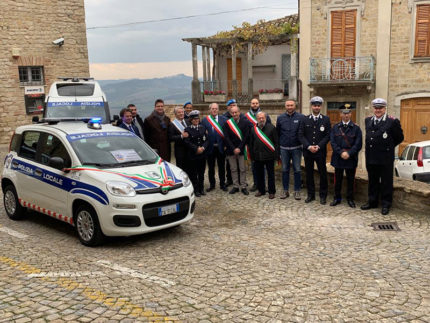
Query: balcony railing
point(342, 70)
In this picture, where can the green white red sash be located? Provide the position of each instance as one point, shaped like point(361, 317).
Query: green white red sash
point(215, 125)
point(236, 130)
point(264, 139)
point(251, 118)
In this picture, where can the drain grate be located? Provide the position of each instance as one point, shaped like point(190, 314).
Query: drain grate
point(385, 226)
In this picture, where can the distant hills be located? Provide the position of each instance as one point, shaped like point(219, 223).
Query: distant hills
point(143, 92)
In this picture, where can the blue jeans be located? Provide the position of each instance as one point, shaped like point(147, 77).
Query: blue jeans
point(296, 156)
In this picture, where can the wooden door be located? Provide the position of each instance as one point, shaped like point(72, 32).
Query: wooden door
point(414, 115)
point(238, 76)
point(334, 115)
point(342, 47)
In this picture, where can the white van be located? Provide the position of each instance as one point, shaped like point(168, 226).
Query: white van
point(76, 98)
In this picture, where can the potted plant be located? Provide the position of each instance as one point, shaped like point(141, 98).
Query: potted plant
point(271, 94)
point(214, 96)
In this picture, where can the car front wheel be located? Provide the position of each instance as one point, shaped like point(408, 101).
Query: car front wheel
point(87, 226)
point(14, 210)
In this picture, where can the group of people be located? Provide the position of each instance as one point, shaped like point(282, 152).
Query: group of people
point(230, 139)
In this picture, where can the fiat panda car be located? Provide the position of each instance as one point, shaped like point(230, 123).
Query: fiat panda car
point(414, 163)
point(103, 180)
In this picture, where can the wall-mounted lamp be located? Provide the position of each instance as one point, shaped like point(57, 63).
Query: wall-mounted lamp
point(424, 130)
point(16, 52)
point(59, 42)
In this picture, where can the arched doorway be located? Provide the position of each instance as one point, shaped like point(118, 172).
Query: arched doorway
point(415, 120)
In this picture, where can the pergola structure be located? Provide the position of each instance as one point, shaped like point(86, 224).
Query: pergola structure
point(230, 46)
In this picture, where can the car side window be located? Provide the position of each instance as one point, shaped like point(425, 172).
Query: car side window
point(28, 148)
point(426, 152)
point(417, 150)
point(411, 152)
point(404, 153)
point(51, 146)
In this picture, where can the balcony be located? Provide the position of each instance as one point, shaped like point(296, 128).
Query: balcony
point(342, 71)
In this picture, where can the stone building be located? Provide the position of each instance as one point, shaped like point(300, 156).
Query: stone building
point(356, 50)
point(30, 61)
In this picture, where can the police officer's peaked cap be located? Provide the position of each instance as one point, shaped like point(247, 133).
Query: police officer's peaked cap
point(186, 103)
point(230, 102)
point(194, 114)
point(379, 103)
point(345, 108)
point(317, 100)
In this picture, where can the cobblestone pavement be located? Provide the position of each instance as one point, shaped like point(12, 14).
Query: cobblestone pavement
point(242, 259)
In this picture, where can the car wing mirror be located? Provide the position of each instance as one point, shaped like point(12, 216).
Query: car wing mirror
point(56, 162)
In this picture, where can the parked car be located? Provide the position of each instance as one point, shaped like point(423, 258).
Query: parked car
point(414, 163)
point(103, 180)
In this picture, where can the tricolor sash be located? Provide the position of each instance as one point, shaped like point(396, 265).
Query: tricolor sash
point(236, 130)
point(215, 125)
point(264, 139)
point(178, 125)
point(251, 118)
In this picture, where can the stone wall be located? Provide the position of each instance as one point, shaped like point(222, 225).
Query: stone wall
point(28, 28)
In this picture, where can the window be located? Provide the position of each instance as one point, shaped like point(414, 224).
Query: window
point(29, 144)
point(411, 153)
point(343, 25)
point(53, 147)
point(422, 31)
point(404, 153)
point(31, 75)
point(426, 152)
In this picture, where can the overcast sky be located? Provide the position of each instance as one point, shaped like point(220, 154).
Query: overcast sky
point(156, 49)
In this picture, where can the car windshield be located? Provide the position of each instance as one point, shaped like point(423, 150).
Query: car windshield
point(111, 149)
point(76, 110)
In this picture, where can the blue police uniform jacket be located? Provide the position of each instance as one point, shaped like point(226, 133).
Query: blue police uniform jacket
point(197, 138)
point(287, 127)
point(347, 139)
point(382, 139)
point(214, 137)
point(315, 133)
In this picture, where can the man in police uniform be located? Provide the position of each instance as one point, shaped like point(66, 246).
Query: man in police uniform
point(314, 134)
point(197, 143)
point(383, 134)
point(346, 141)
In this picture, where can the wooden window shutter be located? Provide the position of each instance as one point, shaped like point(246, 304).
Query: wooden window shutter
point(343, 31)
point(422, 31)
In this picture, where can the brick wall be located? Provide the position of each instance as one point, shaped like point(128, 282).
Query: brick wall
point(30, 27)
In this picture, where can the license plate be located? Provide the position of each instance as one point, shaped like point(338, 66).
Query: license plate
point(169, 209)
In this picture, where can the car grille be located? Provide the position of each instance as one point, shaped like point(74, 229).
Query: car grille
point(158, 189)
point(152, 219)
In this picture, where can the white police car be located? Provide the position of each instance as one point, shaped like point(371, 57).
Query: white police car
point(102, 179)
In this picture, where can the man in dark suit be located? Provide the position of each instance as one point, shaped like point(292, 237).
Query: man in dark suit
point(137, 120)
point(127, 121)
point(215, 152)
point(156, 127)
point(383, 134)
point(236, 132)
point(178, 135)
point(314, 134)
point(346, 140)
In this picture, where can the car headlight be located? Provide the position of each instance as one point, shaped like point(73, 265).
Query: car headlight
point(120, 188)
point(185, 179)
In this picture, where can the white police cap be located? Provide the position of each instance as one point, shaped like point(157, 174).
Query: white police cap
point(194, 114)
point(378, 102)
point(317, 100)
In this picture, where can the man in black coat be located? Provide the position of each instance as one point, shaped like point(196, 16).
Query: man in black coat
point(236, 132)
point(264, 148)
point(137, 120)
point(314, 134)
point(177, 135)
point(197, 143)
point(383, 134)
point(346, 141)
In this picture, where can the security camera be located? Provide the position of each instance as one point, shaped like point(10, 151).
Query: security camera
point(59, 41)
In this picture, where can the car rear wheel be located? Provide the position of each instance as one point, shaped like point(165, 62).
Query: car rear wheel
point(87, 226)
point(14, 210)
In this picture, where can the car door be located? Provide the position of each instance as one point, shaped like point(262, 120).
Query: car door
point(410, 164)
point(402, 163)
point(54, 182)
point(25, 165)
point(426, 159)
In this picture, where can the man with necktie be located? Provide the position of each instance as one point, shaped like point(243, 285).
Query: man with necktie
point(383, 134)
point(127, 118)
point(137, 120)
point(215, 152)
